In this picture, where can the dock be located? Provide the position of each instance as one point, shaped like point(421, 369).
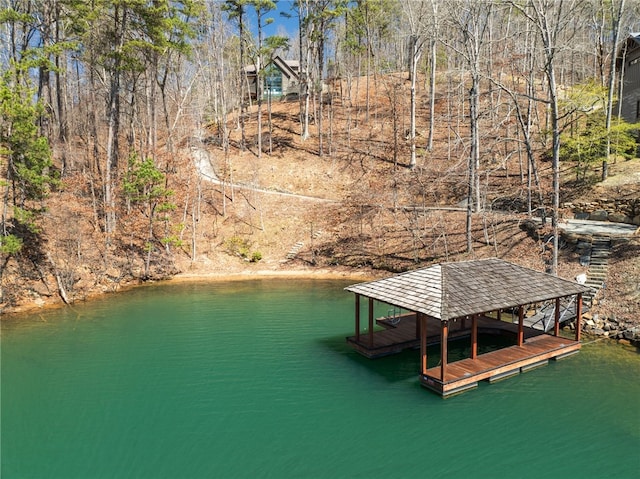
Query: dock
point(401, 333)
point(454, 301)
point(463, 375)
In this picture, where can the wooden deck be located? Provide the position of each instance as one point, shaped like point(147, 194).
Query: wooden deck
point(395, 338)
point(465, 374)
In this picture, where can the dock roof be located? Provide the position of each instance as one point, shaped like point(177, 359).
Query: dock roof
point(453, 290)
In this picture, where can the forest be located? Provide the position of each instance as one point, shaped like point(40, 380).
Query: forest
point(142, 138)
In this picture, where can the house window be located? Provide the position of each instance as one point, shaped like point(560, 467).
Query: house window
point(273, 81)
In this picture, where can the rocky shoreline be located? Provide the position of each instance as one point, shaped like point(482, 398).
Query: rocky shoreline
point(612, 328)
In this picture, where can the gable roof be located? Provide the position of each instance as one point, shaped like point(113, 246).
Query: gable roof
point(453, 290)
point(287, 67)
point(631, 44)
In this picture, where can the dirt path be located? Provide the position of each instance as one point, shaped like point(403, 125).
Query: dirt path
point(202, 161)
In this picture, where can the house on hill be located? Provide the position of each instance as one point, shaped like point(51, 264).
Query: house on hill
point(280, 78)
point(628, 64)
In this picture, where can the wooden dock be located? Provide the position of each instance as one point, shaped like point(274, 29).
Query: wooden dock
point(453, 301)
point(401, 333)
point(465, 374)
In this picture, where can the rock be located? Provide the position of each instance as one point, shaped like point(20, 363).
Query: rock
point(599, 215)
point(636, 220)
point(587, 316)
point(619, 218)
point(598, 331)
point(582, 216)
point(583, 244)
point(590, 323)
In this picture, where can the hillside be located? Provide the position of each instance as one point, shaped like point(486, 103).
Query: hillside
point(357, 210)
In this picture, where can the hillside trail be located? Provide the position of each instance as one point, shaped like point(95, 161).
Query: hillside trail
point(202, 161)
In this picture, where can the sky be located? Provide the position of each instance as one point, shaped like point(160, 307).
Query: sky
point(281, 25)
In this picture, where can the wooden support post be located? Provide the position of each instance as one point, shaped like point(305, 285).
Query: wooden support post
point(556, 319)
point(418, 325)
point(370, 322)
point(422, 320)
point(357, 317)
point(520, 325)
point(474, 336)
point(444, 334)
point(499, 315)
point(578, 315)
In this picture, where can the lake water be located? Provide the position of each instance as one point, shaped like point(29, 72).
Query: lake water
point(255, 379)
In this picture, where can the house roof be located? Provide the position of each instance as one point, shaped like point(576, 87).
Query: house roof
point(453, 290)
point(632, 43)
point(288, 67)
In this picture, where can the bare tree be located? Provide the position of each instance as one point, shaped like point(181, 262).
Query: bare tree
point(472, 20)
point(616, 13)
point(550, 18)
point(415, 13)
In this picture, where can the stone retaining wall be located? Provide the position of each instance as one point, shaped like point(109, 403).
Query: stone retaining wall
point(619, 210)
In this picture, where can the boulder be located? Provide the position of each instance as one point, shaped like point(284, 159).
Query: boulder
point(619, 218)
point(599, 215)
point(632, 334)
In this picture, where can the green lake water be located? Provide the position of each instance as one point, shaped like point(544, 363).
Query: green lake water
point(255, 379)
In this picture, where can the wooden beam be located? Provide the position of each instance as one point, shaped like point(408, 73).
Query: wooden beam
point(370, 322)
point(357, 317)
point(474, 336)
point(444, 334)
point(520, 325)
point(578, 315)
point(422, 320)
point(556, 318)
point(499, 315)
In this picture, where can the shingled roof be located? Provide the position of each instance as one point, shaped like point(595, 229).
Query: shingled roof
point(453, 290)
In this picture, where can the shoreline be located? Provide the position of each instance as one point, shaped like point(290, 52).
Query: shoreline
point(338, 273)
point(247, 275)
point(324, 273)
